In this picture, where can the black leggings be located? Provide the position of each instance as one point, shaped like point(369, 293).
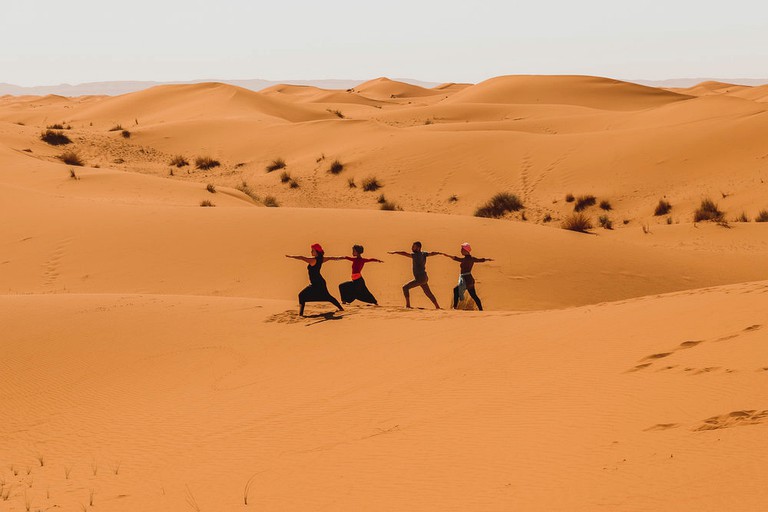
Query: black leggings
point(472, 293)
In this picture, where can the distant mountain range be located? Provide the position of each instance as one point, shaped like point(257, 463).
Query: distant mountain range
point(117, 88)
point(123, 87)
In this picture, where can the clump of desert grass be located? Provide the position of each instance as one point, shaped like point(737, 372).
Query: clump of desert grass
point(206, 204)
point(276, 165)
point(55, 138)
point(577, 222)
point(285, 177)
point(454, 198)
point(762, 216)
point(211, 188)
point(547, 218)
point(708, 211)
point(271, 202)
point(569, 198)
point(499, 205)
point(389, 205)
point(605, 222)
point(59, 126)
point(337, 113)
point(371, 184)
point(662, 208)
point(742, 218)
point(178, 161)
point(336, 167)
point(118, 127)
point(606, 205)
point(584, 202)
point(351, 183)
point(205, 162)
point(71, 158)
point(293, 183)
point(126, 134)
point(246, 189)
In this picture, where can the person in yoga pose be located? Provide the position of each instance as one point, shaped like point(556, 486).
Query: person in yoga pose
point(356, 289)
point(317, 291)
point(466, 280)
point(420, 277)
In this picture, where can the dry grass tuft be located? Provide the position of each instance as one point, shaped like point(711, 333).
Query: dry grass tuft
point(55, 138)
point(116, 128)
point(71, 158)
point(499, 205)
point(205, 162)
point(207, 204)
point(662, 208)
point(247, 190)
point(577, 222)
point(584, 202)
point(126, 134)
point(276, 165)
point(371, 184)
point(178, 161)
point(605, 222)
point(211, 188)
point(762, 216)
point(708, 210)
point(285, 177)
point(271, 202)
point(569, 198)
point(336, 167)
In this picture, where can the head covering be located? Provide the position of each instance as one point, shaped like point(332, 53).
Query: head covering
point(317, 247)
point(466, 247)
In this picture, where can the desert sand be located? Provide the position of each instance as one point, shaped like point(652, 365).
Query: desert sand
point(153, 357)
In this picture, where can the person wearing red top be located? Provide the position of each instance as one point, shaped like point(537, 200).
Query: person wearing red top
point(356, 289)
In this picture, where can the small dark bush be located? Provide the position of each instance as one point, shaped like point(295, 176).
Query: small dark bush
point(211, 188)
point(205, 163)
point(285, 177)
point(337, 113)
point(271, 202)
point(71, 158)
point(547, 218)
point(605, 222)
point(569, 198)
point(293, 183)
point(351, 183)
point(206, 203)
point(605, 205)
point(762, 216)
point(381, 199)
point(55, 138)
point(584, 202)
point(55, 126)
point(276, 165)
point(178, 161)
point(662, 208)
point(742, 218)
point(126, 134)
point(116, 128)
point(389, 205)
point(499, 205)
point(371, 184)
point(708, 210)
point(336, 167)
point(453, 198)
point(577, 222)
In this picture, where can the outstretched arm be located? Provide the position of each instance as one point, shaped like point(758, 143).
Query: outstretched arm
point(454, 258)
point(400, 253)
point(334, 258)
point(305, 259)
point(482, 260)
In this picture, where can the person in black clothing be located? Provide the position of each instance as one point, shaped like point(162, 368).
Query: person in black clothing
point(420, 277)
point(466, 280)
point(317, 291)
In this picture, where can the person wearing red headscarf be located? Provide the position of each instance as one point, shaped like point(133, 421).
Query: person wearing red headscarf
point(317, 291)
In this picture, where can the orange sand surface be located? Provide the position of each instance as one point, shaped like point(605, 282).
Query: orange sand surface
point(152, 357)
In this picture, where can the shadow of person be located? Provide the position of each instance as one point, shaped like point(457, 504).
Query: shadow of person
point(324, 317)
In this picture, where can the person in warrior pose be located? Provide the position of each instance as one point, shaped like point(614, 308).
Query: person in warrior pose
point(356, 288)
point(420, 277)
point(466, 280)
point(317, 291)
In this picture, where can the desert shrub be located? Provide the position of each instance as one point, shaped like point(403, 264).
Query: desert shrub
point(606, 205)
point(351, 183)
point(662, 208)
point(742, 218)
point(205, 163)
point(762, 216)
point(55, 126)
point(669, 221)
point(428, 122)
point(381, 199)
point(55, 138)
point(336, 167)
point(453, 198)
point(547, 218)
point(337, 113)
point(498, 205)
point(569, 198)
point(71, 158)
point(116, 128)
point(178, 161)
point(605, 222)
point(584, 202)
point(371, 184)
point(577, 222)
point(247, 190)
point(276, 165)
point(206, 203)
point(285, 177)
point(211, 188)
point(389, 205)
point(293, 183)
point(708, 210)
point(271, 202)
point(126, 134)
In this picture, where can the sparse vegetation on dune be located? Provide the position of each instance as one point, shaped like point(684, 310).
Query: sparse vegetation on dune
point(389, 205)
point(351, 183)
point(381, 199)
point(371, 184)
point(606, 205)
point(271, 202)
point(499, 205)
point(584, 202)
point(126, 134)
point(116, 128)
point(336, 167)
point(59, 126)
point(337, 113)
point(211, 188)
point(276, 165)
point(293, 183)
point(71, 158)
point(453, 198)
point(605, 222)
point(708, 210)
point(55, 138)
point(178, 161)
point(206, 203)
point(285, 177)
point(742, 218)
point(204, 163)
point(247, 190)
point(662, 208)
point(73, 174)
point(577, 222)
point(762, 216)
point(569, 198)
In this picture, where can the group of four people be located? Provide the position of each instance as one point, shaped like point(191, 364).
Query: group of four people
point(317, 291)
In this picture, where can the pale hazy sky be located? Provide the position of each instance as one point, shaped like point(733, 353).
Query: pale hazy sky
point(49, 42)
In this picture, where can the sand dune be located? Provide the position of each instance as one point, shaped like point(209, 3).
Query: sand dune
point(153, 358)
